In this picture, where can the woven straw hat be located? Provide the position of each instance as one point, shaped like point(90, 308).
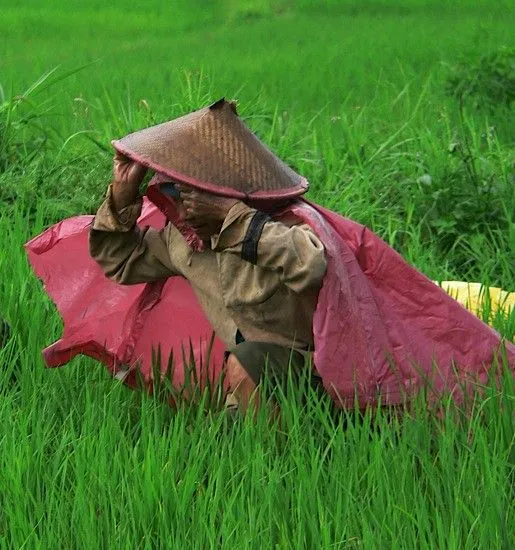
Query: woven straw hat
point(213, 150)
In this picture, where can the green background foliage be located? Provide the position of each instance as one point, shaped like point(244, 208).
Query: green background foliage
point(364, 98)
point(400, 115)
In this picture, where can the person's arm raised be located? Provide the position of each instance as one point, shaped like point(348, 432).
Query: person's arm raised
point(127, 177)
point(126, 253)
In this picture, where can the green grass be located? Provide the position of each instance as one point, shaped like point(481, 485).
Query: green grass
point(353, 95)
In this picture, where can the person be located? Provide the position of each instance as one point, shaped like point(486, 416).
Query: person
point(259, 297)
point(232, 247)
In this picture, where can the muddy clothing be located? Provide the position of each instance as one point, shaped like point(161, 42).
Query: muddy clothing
point(270, 296)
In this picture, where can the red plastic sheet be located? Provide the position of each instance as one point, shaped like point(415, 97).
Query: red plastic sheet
point(122, 326)
point(382, 329)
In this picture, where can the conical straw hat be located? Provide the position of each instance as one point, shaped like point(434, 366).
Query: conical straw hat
point(213, 150)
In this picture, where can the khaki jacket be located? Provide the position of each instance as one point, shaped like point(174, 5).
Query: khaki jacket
point(272, 300)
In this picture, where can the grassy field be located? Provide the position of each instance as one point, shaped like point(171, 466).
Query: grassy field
point(399, 114)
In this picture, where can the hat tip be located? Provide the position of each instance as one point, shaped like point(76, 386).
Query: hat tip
point(221, 103)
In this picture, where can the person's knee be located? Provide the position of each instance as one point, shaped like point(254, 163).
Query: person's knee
point(242, 387)
point(236, 371)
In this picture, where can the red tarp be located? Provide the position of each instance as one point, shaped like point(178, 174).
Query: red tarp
point(382, 330)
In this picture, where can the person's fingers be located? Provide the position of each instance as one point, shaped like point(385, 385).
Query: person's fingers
point(191, 215)
point(139, 170)
point(184, 189)
point(191, 192)
point(121, 158)
point(190, 202)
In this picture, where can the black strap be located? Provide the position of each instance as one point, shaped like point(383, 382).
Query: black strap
point(238, 338)
point(250, 242)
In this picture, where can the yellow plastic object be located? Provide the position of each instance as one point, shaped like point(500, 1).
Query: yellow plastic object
point(478, 298)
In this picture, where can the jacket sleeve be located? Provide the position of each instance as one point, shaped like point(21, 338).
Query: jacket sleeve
point(295, 252)
point(126, 253)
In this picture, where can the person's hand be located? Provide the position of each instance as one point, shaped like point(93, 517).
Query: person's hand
point(205, 212)
point(127, 172)
point(127, 176)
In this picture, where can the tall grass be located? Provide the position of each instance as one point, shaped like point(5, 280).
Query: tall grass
point(113, 468)
point(441, 195)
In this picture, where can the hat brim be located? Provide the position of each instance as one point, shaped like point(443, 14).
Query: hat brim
point(276, 194)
